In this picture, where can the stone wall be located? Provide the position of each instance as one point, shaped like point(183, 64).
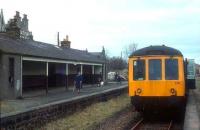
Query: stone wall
point(32, 119)
point(7, 91)
point(1, 76)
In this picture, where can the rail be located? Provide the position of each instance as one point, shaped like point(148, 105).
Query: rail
point(136, 126)
point(144, 125)
point(170, 125)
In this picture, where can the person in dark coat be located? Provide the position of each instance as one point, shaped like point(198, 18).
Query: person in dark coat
point(119, 79)
point(116, 76)
point(99, 80)
point(78, 82)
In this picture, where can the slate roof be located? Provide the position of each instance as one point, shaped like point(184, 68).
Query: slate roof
point(157, 50)
point(45, 50)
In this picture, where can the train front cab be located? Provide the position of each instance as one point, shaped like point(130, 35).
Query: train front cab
point(156, 82)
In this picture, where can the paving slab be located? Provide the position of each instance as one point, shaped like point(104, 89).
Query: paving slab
point(12, 107)
point(191, 114)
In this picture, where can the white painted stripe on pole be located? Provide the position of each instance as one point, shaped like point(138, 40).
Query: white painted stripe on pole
point(67, 69)
point(21, 76)
point(81, 69)
point(92, 69)
point(47, 68)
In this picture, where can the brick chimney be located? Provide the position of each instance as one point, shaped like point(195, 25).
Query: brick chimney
point(24, 23)
point(18, 18)
point(12, 29)
point(66, 43)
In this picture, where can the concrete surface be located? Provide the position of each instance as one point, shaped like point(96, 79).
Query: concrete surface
point(191, 115)
point(12, 107)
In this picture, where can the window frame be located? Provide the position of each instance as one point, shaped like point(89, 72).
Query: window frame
point(161, 70)
point(144, 68)
point(177, 61)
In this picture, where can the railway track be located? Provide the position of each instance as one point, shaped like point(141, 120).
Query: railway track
point(149, 125)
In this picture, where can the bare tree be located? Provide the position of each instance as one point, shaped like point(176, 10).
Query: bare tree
point(107, 53)
point(129, 49)
point(116, 63)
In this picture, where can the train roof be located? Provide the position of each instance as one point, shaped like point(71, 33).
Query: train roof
point(157, 50)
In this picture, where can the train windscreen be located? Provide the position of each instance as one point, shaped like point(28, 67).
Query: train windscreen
point(155, 69)
point(139, 70)
point(171, 69)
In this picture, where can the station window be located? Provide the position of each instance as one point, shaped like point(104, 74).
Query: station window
point(171, 69)
point(155, 69)
point(139, 70)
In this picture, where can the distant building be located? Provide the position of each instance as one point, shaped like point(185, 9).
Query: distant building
point(16, 27)
point(197, 66)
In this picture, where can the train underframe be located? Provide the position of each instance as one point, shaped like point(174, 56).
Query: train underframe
point(150, 104)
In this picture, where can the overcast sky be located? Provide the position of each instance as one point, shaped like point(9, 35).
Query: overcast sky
point(92, 24)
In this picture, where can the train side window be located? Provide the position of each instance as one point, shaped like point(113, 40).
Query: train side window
point(139, 70)
point(171, 69)
point(155, 69)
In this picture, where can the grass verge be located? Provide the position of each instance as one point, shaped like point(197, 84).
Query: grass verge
point(90, 116)
point(5, 108)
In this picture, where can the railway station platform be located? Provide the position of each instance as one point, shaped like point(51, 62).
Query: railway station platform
point(18, 106)
point(192, 121)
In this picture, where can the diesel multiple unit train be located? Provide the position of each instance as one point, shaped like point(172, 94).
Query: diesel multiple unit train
point(157, 78)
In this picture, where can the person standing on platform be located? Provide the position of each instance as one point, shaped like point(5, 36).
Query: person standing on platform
point(78, 82)
point(100, 80)
point(81, 78)
point(119, 79)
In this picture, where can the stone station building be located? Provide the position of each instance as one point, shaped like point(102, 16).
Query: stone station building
point(27, 65)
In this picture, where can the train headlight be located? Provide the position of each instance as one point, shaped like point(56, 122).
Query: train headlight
point(139, 91)
point(173, 91)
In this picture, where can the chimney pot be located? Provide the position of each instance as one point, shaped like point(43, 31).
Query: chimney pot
point(66, 43)
point(25, 16)
point(17, 13)
point(67, 37)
